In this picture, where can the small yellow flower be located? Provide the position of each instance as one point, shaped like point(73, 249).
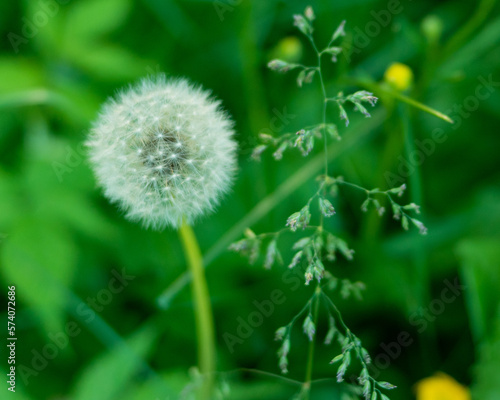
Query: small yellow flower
point(441, 387)
point(398, 75)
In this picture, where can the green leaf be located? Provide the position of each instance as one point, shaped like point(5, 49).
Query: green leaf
point(90, 19)
point(10, 202)
point(106, 377)
point(486, 384)
point(80, 214)
point(481, 42)
point(19, 74)
point(169, 387)
point(47, 38)
point(38, 256)
point(109, 62)
point(479, 265)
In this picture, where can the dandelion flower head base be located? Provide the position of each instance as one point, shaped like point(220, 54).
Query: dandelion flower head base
point(163, 150)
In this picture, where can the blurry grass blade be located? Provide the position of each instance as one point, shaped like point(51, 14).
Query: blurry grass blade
point(11, 201)
point(174, 19)
point(107, 335)
point(171, 384)
point(77, 212)
point(472, 51)
point(26, 98)
point(39, 255)
point(90, 19)
point(418, 105)
point(421, 283)
point(486, 384)
point(109, 61)
point(354, 138)
point(479, 267)
point(19, 74)
point(39, 96)
point(106, 377)
point(476, 20)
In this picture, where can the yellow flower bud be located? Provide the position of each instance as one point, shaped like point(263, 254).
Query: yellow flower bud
point(398, 75)
point(441, 387)
point(288, 49)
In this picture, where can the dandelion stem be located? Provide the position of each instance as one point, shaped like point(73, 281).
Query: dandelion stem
point(202, 309)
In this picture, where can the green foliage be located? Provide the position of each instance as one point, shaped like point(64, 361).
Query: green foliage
point(38, 257)
point(479, 258)
point(486, 385)
point(480, 272)
point(121, 363)
point(60, 241)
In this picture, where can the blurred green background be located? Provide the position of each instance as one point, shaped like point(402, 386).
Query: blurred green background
point(62, 244)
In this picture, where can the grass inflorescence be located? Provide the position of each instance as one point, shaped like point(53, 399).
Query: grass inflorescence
point(316, 252)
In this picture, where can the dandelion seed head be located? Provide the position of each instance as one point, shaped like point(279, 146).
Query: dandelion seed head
point(164, 151)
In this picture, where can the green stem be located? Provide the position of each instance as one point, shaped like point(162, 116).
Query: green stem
point(383, 89)
point(306, 387)
point(417, 104)
point(202, 310)
point(325, 102)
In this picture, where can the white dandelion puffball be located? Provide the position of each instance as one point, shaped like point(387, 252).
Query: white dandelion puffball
point(164, 151)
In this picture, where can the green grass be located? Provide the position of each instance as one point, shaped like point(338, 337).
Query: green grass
point(60, 240)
